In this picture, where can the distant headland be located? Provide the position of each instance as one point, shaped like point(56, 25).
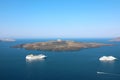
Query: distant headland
point(116, 39)
point(59, 45)
point(7, 40)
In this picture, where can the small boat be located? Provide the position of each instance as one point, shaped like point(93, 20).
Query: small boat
point(107, 58)
point(100, 73)
point(35, 57)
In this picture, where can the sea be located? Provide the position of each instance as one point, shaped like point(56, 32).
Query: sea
point(59, 65)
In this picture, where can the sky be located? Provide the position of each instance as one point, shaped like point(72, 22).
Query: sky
point(59, 18)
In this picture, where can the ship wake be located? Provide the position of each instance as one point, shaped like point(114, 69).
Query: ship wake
point(104, 73)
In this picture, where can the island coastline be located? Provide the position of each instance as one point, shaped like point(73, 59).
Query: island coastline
point(60, 45)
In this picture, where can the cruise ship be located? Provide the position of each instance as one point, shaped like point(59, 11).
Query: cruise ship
point(35, 57)
point(107, 58)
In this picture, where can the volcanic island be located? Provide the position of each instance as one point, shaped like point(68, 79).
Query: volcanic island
point(59, 45)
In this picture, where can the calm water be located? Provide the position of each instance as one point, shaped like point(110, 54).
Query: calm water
point(65, 65)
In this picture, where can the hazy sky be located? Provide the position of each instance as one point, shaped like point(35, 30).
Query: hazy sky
point(59, 18)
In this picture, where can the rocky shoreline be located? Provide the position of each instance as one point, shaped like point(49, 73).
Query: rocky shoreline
point(59, 45)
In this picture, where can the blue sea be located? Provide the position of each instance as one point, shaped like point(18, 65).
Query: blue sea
point(62, 65)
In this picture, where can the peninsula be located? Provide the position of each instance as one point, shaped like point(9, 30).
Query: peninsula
point(59, 45)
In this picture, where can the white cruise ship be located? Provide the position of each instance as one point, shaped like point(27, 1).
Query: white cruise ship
point(35, 57)
point(107, 58)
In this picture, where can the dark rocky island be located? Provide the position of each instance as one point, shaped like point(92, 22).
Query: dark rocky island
point(59, 45)
point(116, 39)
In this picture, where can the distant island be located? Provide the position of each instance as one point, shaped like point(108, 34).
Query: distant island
point(116, 39)
point(59, 45)
point(7, 40)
